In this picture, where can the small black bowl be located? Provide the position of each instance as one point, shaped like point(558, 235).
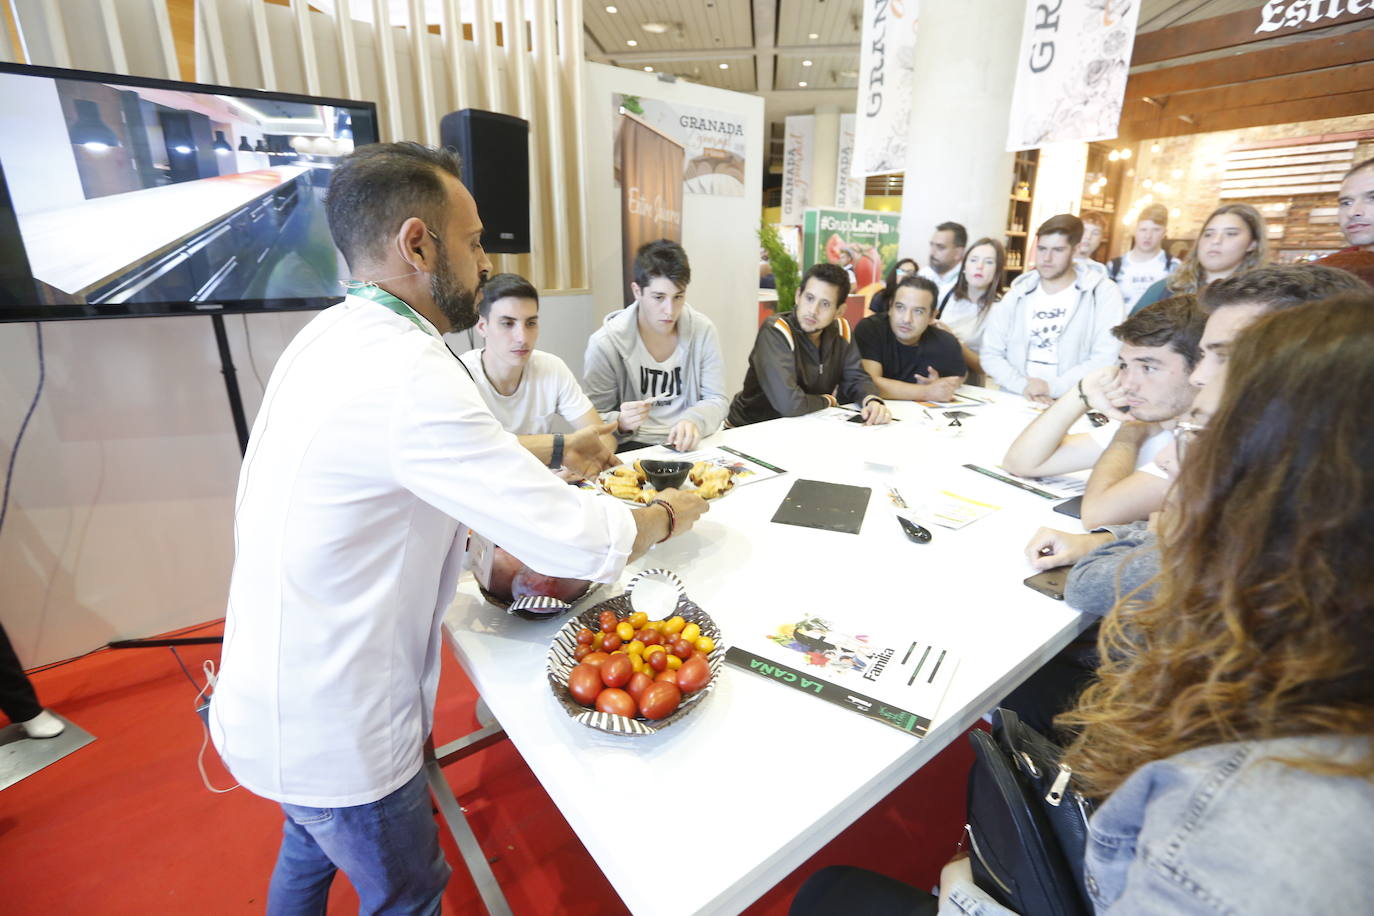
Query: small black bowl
point(665, 475)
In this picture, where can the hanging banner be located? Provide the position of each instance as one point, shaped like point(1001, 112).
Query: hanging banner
point(849, 190)
point(712, 140)
point(863, 242)
point(1071, 73)
point(798, 158)
point(650, 190)
point(887, 60)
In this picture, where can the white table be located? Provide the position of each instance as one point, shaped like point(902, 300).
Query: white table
point(776, 774)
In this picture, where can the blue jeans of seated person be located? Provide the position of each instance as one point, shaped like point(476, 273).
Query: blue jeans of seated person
point(389, 849)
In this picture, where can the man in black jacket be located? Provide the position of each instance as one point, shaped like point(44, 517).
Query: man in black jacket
point(804, 360)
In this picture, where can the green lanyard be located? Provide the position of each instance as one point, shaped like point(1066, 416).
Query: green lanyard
point(382, 297)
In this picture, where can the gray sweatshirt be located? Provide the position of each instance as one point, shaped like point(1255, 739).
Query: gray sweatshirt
point(613, 373)
point(1114, 570)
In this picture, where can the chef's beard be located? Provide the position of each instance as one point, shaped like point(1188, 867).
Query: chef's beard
point(456, 302)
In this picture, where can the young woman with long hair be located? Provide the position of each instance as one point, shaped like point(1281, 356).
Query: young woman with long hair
point(1232, 241)
point(1230, 736)
point(904, 268)
point(980, 283)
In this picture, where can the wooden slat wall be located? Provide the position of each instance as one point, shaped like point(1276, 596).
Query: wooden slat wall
point(417, 71)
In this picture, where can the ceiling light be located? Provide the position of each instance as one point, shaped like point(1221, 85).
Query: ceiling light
point(802, 84)
point(1126, 153)
point(806, 63)
point(1113, 156)
point(725, 66)
point(813, 36)
point(1155, 147)
point(656, 28)
point(848, 74)
point(632, 43)
point(611, 9)
point(648, 69)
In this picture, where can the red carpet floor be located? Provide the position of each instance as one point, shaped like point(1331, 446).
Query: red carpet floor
point(124, 825)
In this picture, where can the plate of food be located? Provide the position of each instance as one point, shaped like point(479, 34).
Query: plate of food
point(642, 684)
point(636, 483)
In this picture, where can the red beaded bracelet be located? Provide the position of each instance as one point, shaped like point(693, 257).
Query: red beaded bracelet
point(672, 517)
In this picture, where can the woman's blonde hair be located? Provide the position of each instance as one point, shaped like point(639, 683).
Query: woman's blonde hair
point(1188, 277)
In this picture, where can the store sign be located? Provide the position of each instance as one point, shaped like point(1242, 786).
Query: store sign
point(798, 158)
point(1301, 15)
point(714, 149)
point(849, 190)
point(1071, 72)
point(887, 60)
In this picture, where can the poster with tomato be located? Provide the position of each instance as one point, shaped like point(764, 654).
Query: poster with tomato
point(863, 242)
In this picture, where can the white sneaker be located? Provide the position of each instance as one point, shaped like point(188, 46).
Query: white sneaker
point(44, 725)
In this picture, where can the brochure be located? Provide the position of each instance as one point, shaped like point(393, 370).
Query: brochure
point(899, 680)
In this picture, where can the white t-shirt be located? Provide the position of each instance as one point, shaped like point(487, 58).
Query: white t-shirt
point(371, 456)
point(547, 389)
point(1049, 313)
point(654, 379)
point(1138, 276)
point(962, 318)
point(1145, 460)
point(944, 282)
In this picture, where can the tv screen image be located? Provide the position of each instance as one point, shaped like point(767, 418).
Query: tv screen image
point(126, 196)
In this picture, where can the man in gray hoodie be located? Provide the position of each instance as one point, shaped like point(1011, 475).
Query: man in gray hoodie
point(655, 366)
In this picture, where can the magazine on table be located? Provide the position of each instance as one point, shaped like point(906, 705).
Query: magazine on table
point(897, 678)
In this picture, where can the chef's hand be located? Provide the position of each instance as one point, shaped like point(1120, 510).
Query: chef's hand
point(586, 452)
point(687, 508)
point(633, 414)
point(683, 437)
point(876, 413)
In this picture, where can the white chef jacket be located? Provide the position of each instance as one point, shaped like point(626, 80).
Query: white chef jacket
point(371, 455)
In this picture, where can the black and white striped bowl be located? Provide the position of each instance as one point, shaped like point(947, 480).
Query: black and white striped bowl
point(560, 662)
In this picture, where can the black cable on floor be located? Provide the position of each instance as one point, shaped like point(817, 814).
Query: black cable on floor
point(14, 452)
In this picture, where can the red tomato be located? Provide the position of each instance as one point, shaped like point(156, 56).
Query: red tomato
point(649, 637)
point(607, 623)
point(658, 661)
point(694, 674)
point(617, 670)
point(584, 683)
point(683, 649)
point(585, 637)
point(638, 682)
point(616, 701)
point(659, 700)
point(595, 658)
point(581, 652)
point(669, 676)
point(611, 642)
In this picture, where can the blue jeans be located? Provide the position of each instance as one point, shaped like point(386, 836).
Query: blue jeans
point(389, 849)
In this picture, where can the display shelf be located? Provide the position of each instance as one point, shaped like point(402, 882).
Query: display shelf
point(1021, 195)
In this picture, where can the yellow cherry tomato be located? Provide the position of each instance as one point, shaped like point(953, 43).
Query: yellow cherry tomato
point(597, 640)
point(638, 619)
point(636, 662)
point(674, 662)
point(691, 632)
point(650, 650)
point(674, 625)
point(705, 644)
point(655, 625)
point(625, 631)
point(635, 648)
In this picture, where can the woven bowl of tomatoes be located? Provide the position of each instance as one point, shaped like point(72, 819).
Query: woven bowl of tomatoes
point(640, 685)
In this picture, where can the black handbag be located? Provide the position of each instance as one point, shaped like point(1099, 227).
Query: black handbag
point(1027, 827)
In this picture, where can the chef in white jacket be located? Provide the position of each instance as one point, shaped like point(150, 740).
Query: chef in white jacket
point(372, 454)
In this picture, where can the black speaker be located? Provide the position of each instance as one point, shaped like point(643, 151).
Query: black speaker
point(495, 149)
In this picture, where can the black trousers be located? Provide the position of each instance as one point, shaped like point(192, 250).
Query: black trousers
point(17, 697)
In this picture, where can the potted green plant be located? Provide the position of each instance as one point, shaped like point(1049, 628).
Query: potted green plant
point(785, 270)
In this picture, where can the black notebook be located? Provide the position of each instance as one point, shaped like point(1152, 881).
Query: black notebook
point(828, 506)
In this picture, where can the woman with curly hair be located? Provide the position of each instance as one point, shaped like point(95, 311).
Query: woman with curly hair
point(1232, 241)
point(1230, 737)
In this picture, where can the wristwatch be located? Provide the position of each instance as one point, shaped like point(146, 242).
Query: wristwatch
point(556, 458)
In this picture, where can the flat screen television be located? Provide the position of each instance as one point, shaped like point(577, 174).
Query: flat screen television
point(124, 196)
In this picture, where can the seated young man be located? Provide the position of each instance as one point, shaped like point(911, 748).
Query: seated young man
point(908, 357)
point(804, 360)
point(1147, 390)
point(655, 366)
point(524, 388)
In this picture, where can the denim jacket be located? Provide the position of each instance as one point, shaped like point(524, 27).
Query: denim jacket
point(1228, 829)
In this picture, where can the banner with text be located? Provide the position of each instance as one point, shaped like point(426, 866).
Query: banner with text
point(798, 158)
point(849, 190)
point(887, 60)
point(650, 190)
point(863, 242)
point(1071, 73)
point(713, 142)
